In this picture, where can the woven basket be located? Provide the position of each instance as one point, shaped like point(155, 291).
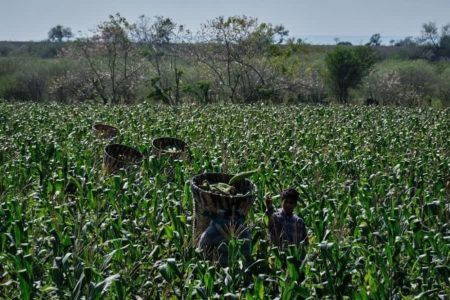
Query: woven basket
point(160, 146)
point(104, 131)
point(207, 204)
point(118, 156)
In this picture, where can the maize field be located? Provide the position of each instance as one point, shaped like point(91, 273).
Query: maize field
point(374, 187)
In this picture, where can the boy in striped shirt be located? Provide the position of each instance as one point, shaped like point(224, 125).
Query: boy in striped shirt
point(284, 226)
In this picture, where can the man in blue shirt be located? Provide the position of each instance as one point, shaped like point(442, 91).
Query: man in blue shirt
point(223, 226)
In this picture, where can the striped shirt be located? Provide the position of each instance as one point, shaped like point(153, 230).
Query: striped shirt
point(285, 230)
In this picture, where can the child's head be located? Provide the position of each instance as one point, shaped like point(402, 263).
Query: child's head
point(289, 199)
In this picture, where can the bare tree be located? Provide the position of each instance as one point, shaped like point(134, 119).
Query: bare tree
point(160, 39)
point(110, 57)
point(430, 35)
point(435, 44)
point(236, 53)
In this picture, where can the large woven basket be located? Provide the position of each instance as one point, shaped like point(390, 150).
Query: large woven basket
point(118, 156)
point(207, 204)
point(105, 131)
point(161, 145)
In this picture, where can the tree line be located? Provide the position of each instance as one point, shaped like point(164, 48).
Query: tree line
point(236, 59)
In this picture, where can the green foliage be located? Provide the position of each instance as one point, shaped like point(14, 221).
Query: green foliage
point(236, 53)
point(444, 87)
point(111, 64)
point(5, 48)
point(444, 46)
point(159, 40)
point(234, 59)
point(200, 91)
point(58, 33)
point(153, 33)
point(346, 68)
point(373, 195)
point(408, 83)
point(159, 93)
point(35, 50)
point(436, 44)
point(28, 79)
point(375, 40)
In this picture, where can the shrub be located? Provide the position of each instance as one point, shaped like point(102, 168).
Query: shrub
point(5, 48)
point(312, 87)
point(73, 86)
point(444, 87)
point(386, 88)
point(8, 66)
point(409, 83)
point(28, 79)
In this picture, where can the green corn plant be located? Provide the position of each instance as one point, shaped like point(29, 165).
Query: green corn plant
point(372, 184)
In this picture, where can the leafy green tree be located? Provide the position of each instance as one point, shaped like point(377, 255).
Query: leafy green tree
point(58, 33)
point(375, 40)
point(346, 67)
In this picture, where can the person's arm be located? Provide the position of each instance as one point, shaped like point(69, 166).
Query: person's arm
point(269, 206)
point(271, 224)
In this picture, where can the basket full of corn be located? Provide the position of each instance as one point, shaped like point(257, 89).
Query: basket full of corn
point(171, 147)
point(104, 131)
point(119, 156)
point(215, 193)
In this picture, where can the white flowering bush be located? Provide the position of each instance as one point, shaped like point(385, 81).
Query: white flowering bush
point(387, 89)
point(402, 83)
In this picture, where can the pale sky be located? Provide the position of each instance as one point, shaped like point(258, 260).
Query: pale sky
point(23, 20)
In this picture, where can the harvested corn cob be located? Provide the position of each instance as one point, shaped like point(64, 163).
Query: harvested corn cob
point(240, 176)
